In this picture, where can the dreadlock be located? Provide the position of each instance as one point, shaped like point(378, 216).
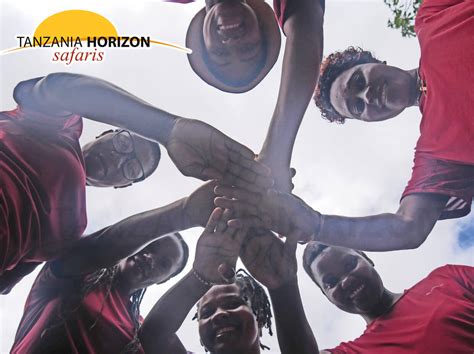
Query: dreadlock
point(312, 250)
point(331, 67)
point(253, 293)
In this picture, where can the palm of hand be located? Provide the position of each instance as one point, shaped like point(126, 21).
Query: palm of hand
point(198, 150)
point(269, 259)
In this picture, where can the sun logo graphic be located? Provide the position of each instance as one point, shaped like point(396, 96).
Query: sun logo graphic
point(82, 36)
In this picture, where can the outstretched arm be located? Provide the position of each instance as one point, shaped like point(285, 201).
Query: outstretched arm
point(108, 246)
point(301, 61)
point(406, 229)
point(273, 263)
point(196, 148)
point(218, 245)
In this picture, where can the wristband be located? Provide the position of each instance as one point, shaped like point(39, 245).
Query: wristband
point(202, 279)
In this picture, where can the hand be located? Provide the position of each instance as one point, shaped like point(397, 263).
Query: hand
point(199, 205)
point(270, 260)
point(218, 246)
point(282, 175)
point(281, 212)
point(201, 151)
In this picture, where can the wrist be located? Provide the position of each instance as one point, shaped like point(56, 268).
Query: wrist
point(168, 127)
point(318, 221)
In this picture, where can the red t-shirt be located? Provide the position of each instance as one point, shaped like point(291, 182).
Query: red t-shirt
point(444, 155)
point(57, 320)
point(435, 316)
point(42, 186)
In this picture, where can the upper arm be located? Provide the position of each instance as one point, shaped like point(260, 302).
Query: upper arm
point(305, 21)
point(420, 212)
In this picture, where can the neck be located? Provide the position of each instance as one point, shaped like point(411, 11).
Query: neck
point(387, 300)
point(414, 87)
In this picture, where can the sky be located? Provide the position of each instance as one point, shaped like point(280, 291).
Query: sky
point(354, 169)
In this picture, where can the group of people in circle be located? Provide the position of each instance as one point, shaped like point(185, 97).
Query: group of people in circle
point(86, 298)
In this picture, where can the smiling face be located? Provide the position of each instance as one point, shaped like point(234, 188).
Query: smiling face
point(233, 40)
point(348, 280)
point(117, 159)
point(154, 264)
point(226, 321)
point(372, 92)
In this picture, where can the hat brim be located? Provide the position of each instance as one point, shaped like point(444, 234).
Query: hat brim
point(197, 59)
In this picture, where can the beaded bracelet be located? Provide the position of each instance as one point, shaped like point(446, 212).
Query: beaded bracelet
point(202, 280)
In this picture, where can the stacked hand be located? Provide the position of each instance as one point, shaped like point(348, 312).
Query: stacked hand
point(201, 151)
point(218, 247)
point(281, 212)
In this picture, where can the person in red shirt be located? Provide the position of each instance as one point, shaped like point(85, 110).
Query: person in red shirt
point(236, 43)
point(43, 171)
point(232, 308)
point(436, 315)
point(87, 301)
point(355, 85)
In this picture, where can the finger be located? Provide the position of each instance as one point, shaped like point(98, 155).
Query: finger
point(222, 224)
point(247, 223)
point(238, 149)
point(211, 173)
point(213, 220)
point(238, 193)
point(249, 176)
point(226, 272)
point(236, 205)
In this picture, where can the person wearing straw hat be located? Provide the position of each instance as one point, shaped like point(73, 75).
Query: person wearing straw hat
point(235, 44)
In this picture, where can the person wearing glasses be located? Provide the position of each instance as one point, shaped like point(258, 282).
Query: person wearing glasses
point(43, 171)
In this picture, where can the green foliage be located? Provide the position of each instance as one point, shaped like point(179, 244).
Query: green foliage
point(404, 12)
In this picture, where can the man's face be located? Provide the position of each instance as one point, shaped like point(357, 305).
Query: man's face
point(348, 280)
point(233, 40)
point(226, 321)
point(372, 92)
point(154, 264)
point(117, 159)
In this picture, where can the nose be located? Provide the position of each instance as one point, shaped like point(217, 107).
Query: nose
point(367, 95)
point(220, 315)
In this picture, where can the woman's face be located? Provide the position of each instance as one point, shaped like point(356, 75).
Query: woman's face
point(233, 39)
point(348, 280)
point(372, 92)
point(154, 264)
point(226, 321)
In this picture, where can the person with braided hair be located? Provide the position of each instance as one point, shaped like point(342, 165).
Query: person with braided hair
point(87, 301)
point(232, 308)
point(44, 171)
point(354, 84)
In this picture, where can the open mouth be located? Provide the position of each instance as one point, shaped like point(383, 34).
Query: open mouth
point(225, 333)
point(356, 291)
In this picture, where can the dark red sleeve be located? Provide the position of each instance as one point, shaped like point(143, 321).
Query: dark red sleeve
point(447, 178)
point(285, 8)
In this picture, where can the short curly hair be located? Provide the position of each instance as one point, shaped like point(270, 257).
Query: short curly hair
point(333, 66)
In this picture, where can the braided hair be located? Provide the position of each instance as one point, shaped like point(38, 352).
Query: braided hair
point(331, 67)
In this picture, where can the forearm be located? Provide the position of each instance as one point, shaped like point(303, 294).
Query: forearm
point(99, 100)
point(301, 61)
point(168, 314)
point(383, 232)
point(293, 330)
point(123, 239)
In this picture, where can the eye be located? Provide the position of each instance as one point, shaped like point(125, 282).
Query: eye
point(358, 106)
point(350, 264)
point(205, 312)
point(359, 81)
point(329, 282)
point(247, 48)
point(233, 304)
point(132, 170)
point(123, 143)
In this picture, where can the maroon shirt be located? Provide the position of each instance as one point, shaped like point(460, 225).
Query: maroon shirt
point(444, 155)
point(434, 316)
point(42, 186)
point(58, 319)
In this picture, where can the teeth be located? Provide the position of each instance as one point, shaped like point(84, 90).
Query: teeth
point(229, 27)
point(221, 331)
point(356, 291)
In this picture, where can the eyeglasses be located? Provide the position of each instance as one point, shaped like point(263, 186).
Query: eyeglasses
point(132, 169)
